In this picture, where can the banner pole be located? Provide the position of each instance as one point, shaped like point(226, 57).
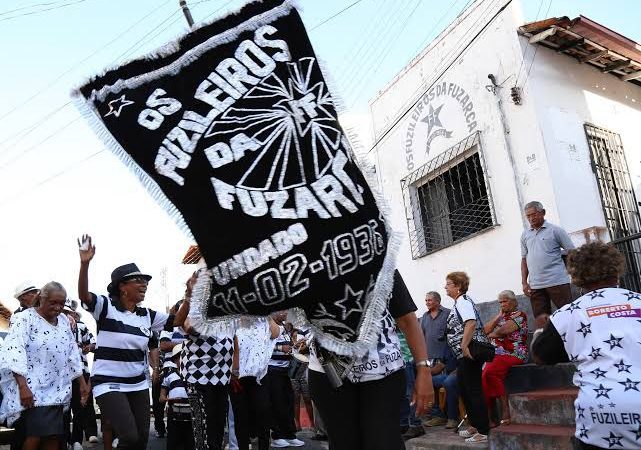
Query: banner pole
point(187, 13)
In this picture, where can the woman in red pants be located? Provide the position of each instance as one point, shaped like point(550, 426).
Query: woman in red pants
point(508, 331)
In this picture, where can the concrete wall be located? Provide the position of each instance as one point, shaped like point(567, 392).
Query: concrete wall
point(549, 153)
point(566, 95)
point(491, 258)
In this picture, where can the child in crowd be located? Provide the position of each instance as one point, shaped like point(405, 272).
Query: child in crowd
point(180, 435)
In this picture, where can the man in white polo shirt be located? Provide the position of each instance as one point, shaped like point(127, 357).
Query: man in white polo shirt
point(543, 273)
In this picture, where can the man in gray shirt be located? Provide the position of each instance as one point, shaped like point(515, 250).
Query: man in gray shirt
point(543, 271)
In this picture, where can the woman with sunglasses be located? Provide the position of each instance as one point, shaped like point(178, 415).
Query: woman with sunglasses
point(120, 373)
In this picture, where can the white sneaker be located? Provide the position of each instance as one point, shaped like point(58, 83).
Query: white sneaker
point(295, 442)
point(77, 446)
point(93, 439)
point(114, 443)
point(280, 443)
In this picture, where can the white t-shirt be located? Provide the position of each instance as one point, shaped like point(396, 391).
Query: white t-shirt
point(255, 347)
point(601, 333)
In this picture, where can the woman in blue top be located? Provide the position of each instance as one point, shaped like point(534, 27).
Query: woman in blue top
point(120, 373)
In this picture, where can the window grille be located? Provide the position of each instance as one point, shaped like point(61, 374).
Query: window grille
point(620, 206)
point(448, 199)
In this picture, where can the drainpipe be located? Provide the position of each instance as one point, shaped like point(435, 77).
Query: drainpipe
point(494, 89)
point(187, 13)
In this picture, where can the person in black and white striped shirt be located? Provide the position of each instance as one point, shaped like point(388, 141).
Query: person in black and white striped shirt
point(180, 435)
point(120, 370)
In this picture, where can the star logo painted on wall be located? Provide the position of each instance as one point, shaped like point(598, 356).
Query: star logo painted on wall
point(613, 440)
point(432, 120)
point(584, 329)
point(116, 106)
point(614, 342)
point(630, 385)
point(602, 391)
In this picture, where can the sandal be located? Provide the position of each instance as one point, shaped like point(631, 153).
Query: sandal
point(505, 421)
point(478, 437)
point(467, 433)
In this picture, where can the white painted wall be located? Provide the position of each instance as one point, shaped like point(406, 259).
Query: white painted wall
point(551, 163)
point(566, 95)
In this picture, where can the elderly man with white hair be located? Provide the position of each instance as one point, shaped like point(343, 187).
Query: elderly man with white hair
point(543, 273)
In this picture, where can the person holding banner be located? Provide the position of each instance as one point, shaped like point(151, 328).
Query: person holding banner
point(120, 370)
point(358, 414)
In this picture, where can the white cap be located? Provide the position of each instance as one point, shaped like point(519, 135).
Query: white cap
point(24, 287)
point(176, 350)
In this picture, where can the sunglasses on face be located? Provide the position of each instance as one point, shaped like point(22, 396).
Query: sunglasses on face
point(139, 280)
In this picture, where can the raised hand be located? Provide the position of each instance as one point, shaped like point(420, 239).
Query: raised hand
point(86, 249)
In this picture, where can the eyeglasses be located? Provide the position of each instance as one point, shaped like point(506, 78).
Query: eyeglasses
point(139, 280)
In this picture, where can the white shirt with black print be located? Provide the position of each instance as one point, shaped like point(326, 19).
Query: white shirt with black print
point(46, 355)
point(601, 333)
point(385, 357)
point(464, 305)
point(207, 360)
point(255, 348)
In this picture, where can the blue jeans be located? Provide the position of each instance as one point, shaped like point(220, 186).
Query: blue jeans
point(408, 412)
point(451, 397)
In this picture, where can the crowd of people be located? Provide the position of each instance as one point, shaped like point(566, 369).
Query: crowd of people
point(252, 383)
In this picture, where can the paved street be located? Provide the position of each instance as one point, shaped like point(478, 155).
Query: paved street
point(160, 444)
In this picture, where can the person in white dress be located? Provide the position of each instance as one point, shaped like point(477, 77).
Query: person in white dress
point(38, 362)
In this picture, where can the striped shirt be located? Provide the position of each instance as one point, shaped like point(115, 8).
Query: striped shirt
point(176, 337)
point(83, 337)
point(120, 362)
point(280, 358)
point(175, 385)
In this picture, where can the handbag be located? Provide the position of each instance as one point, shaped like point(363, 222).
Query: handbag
point(480, 346)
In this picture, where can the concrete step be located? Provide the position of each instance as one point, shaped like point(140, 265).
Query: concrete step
point(440, 438)
point(544, 407)
point(530, 377)
point(531, 437)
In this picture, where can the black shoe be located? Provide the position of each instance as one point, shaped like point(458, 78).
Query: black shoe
point(413, 432)
point(319, 436)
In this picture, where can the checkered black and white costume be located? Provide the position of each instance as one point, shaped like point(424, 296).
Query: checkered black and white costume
point(205, 364)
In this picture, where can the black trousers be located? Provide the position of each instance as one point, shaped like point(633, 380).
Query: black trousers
point(360, 416)
point(209, 404)
point(251, 412)
point(281, 398)
point(128, 414)
point(84, 417)
point(470, 386)
point(158, 408)
point(180, 434)
point(18, 434)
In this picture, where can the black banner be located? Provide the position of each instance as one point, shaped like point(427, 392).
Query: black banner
point(233, 130)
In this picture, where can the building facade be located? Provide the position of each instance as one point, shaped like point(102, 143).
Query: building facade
point(494, 114)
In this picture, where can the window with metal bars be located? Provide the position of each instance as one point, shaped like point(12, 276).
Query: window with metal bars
point(448, 200)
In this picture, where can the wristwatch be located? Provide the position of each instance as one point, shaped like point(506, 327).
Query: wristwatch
point(424, 362)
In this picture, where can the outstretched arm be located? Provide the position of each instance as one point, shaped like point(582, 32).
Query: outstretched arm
point(87, 250)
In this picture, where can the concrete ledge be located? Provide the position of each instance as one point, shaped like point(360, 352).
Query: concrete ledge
point(531, 437)
point(545, 407)
point(530, 377)
point(440, 438)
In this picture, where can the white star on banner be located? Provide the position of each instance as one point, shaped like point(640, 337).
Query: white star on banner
point(115, 106)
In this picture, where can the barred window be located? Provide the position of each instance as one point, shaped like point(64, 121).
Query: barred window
point(448, 200)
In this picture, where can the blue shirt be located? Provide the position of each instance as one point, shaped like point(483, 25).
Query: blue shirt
point(542, 251)
point(434, 333)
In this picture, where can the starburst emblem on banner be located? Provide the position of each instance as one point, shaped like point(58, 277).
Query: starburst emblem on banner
point(302, 116)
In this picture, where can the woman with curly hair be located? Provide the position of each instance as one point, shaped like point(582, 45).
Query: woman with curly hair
point(600, 332)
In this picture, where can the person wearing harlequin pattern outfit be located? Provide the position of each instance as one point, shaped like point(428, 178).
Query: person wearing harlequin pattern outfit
point(601, 333)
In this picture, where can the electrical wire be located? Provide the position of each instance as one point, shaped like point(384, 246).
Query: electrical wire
point(536, 48)
point(42, 10)
point(518, 74)
point(323, 22)
point(441, 73)
point(31, 6)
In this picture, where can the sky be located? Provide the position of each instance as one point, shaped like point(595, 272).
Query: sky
point(56, 179)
